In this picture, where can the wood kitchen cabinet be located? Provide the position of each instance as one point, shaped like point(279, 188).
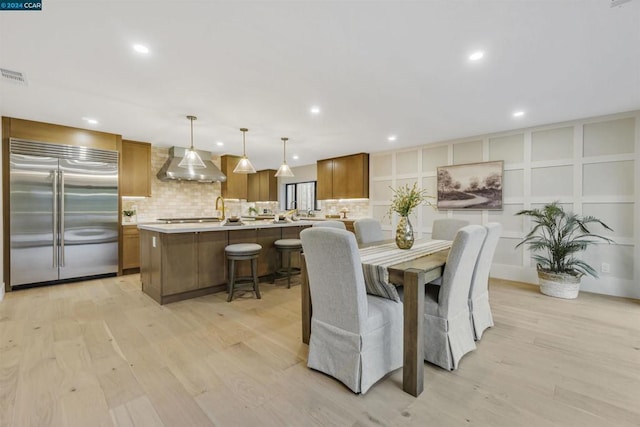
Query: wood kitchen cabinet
point(345, 177)
point(262, 186)
point(135, 171)
point(268, 255)
point(235, 187)
point(130, 249)
point(212, 268)
point(177, 266)
point(324, 186)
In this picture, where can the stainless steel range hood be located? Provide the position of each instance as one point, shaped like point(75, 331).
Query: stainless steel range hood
point(171, 170)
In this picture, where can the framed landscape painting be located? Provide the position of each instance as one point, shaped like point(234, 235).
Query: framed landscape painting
point(470, 186)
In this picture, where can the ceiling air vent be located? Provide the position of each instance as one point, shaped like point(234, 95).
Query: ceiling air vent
point(615, 3)
point(13, 77)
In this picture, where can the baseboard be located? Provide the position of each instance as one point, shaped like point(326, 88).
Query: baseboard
point(606, 284)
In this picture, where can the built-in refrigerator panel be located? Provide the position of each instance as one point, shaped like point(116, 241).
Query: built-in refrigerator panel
point(33, 227)
point(89, 221)
point(63, 212)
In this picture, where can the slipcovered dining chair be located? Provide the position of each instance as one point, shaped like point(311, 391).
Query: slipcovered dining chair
point(331, 224)
point(356, 338)
point(446, 228)
point(447, 331)
point(368, 230)
point(479, 307)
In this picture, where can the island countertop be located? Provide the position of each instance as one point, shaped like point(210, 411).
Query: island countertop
point(199, 227)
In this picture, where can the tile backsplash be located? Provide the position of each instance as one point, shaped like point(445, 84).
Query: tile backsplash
point(171, 199)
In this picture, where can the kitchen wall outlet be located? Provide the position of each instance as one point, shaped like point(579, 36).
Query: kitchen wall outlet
point(153, 241)
point(606, 268)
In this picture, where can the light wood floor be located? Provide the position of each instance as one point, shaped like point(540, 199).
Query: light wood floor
point(103, 353)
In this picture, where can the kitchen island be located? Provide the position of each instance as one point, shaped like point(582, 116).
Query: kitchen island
point(182, 261)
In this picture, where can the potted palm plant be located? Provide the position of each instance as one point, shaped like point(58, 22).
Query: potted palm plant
point(556, 238)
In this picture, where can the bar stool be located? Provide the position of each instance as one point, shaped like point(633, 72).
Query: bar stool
point(242, 252)
point(285, 247)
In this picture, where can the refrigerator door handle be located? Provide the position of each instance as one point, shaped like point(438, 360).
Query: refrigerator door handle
point(54, 231)
point(62, 219)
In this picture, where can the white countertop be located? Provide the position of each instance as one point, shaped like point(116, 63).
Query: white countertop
point(216, 226)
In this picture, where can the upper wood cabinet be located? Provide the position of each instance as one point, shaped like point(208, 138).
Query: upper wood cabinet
point(235, 187)
point(262, 186)
point(135, 172)
point(344, 177)
point(58, 134)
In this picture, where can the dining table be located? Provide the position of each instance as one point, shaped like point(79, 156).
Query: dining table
point(413, 276)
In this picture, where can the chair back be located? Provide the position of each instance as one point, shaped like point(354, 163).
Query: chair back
point(446, 228)
point(336, 280)
point(480, 280)
point(458, 271)
point(368, 230)
point(330, 224)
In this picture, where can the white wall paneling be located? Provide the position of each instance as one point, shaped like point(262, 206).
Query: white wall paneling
point(590, 166)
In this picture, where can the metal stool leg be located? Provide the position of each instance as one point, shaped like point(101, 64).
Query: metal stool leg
point(254, 272)
point(288, 270)
point(232, 271)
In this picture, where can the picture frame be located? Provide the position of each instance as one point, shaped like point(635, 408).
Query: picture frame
point(471, 186)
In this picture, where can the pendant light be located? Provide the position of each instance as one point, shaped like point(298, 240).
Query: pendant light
point(191, 159)
point(284, 169)
point(244, 165)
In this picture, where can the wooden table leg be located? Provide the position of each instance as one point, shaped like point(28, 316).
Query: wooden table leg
point(306, 301)
point(413, 368)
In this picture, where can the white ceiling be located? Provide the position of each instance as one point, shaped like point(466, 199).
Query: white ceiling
point(375, 68)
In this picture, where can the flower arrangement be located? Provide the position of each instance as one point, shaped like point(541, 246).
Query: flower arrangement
point(406, 199)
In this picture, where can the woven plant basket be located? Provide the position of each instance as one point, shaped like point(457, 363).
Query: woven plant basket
point(559, 285)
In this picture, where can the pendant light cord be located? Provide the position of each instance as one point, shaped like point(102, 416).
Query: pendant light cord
point(244, 142)
point(191, 118)
point(284, 150)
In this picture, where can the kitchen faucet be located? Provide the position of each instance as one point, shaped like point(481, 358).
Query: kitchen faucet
point(293, 205)
point(220, 199)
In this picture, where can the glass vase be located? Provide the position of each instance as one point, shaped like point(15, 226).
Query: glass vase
point(404, 233)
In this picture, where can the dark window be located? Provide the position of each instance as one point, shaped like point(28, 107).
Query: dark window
point(301, 196)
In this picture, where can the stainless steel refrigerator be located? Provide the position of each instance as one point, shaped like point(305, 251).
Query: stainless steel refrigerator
point(63, 212)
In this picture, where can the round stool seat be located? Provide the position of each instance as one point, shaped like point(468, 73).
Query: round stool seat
point(243, 249)
point(288, 244)
point(285, 247)
point(243, 252)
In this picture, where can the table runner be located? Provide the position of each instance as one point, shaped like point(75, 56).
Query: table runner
point(376, 259)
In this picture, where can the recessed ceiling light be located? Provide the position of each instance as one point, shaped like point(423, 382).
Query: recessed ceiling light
point(392, 138)
point(295, 157)
point(90, 120)
point(140, 48)
point(315, 110)
point(475, 56)
point(518, 114)
point(219, 143)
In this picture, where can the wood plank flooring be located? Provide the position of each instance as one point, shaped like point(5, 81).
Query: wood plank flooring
point(101, 353)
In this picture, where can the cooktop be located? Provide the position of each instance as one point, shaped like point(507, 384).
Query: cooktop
point(184, 220)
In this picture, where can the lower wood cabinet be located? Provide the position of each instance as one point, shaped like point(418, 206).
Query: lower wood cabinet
point(267, 259)
point(177, 266)
point(212, 268)
point(130, 248)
